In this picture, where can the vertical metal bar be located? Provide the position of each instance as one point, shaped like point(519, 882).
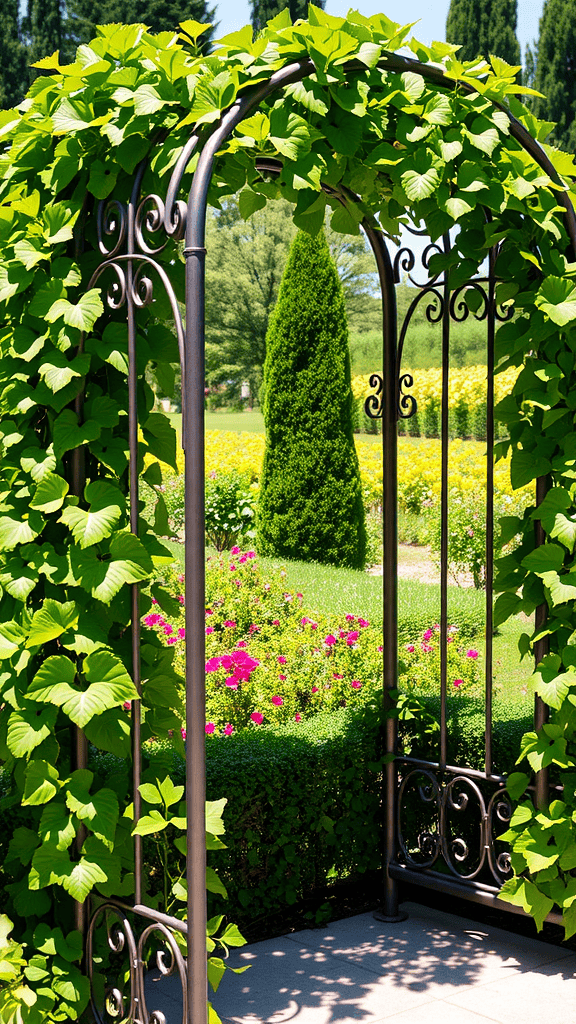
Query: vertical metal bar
point(80, 744)
point(135, 593)
point(541, 647)
point(488, 661)
point(195, 636)
point(389, 561)
point(444, 512)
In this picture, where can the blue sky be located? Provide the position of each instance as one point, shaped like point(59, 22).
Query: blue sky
point(233, 14)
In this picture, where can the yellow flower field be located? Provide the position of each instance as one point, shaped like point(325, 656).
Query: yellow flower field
point(418, 465)
point(466, 386)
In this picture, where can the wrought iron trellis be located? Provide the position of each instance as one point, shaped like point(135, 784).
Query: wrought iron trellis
point(130, 237)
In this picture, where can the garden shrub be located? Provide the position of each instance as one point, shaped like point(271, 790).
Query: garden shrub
point(228, 510)
point(303, 806)
point(310, 501)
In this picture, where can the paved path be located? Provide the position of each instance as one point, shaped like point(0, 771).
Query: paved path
point(433, 968)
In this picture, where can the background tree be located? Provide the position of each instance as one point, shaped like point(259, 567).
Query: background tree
point(45, 28)
point(483, 27)
point(14, 76)
point(159, 15)
point(244, 266)
point(554, 71)
point(310, 502)
point(264, 10)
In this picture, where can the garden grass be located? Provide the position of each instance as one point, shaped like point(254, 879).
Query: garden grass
point(251, 421)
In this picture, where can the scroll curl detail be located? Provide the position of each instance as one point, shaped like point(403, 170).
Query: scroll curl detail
point(407, 404)
point(374, 404)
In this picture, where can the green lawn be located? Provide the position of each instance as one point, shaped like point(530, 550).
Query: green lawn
point(253, 422)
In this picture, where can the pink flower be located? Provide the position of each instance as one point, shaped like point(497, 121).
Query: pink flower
point(181, 599)
point(303, 621)
point(152, 620)
point(242, 559)
point(409, 648)
point(281, 659)
point(350, 618)
point(168, 629)
point(181, 578)
point(275, 622)
point(330, 640)
point(235, 550)
point(380, 649)
point(241, 643)
point(232, 682)
point(127, 705)
point(458, 682)
point(280, 676)
point(209, 727)
point(228, 729)
point(213, 664)
point(154, 601)
point(297, 718)
point(266, 586)
point(300, 596)
point(208, 630)
point(250, 554)
point(183, 733)
point(313, 625)
point(363, 623)
point(356, 684)
point(182, 633)
point(426, 648)
point(341, 634)
point(427, 635)
point(335, 675)
point(314, 689)
point(230, 624)
point(277, 701)
point(232, 568)
point(471, 654)
point(352, 638)
point(172, 640)
point(257, 717)
point(209, 611)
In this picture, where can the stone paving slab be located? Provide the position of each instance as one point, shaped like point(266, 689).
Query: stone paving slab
point(433, 968)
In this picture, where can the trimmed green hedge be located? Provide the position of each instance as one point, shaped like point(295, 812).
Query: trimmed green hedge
point(303, 799)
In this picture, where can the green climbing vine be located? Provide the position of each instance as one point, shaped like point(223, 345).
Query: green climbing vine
point(412, 150)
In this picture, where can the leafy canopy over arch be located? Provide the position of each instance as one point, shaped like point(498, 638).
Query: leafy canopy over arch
point(411, 150)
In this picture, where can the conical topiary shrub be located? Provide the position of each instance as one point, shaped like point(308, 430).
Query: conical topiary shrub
point(310, 504)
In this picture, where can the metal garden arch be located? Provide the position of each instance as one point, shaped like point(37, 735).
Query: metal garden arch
point(125, 238)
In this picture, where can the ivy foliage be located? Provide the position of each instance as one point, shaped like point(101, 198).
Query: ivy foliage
point(412, 151)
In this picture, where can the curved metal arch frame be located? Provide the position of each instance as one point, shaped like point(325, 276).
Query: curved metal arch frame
point(176, 217)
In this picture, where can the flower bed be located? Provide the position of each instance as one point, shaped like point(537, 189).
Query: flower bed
point(271, 663)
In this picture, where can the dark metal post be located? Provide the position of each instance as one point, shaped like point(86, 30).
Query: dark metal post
point(195, 636)
point(444, 511)
point(488, 661)
point(541, 647)
point(389, 911)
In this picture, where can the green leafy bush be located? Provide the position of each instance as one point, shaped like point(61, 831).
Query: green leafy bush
point(310, 501)
point(229, 510)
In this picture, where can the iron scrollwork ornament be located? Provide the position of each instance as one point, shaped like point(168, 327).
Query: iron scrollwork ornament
point(406, 404)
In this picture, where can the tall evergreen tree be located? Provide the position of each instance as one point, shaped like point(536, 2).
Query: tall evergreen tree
point(484, 27)
point(264, 10)
point(310, 503)
point(158, 15)
point(555, 71)
point(14, 76)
